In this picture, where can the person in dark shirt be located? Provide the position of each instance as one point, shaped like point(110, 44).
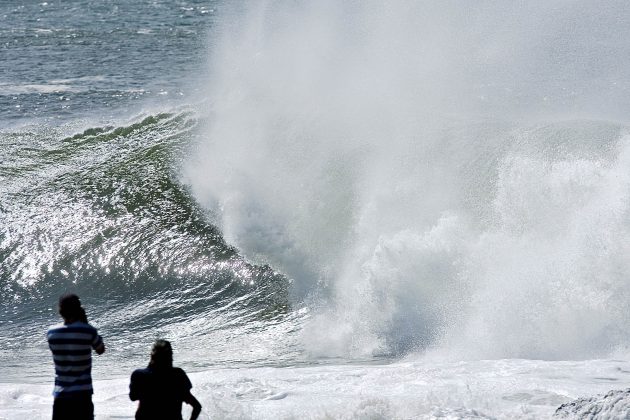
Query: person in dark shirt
point(161, 388)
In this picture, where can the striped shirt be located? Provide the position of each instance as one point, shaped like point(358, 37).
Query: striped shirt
point(71, 346)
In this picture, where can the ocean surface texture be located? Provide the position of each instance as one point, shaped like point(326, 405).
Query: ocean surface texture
point(332, 209)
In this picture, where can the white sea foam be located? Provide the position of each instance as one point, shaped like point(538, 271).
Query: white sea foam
point(9, 89)
point(499, 389)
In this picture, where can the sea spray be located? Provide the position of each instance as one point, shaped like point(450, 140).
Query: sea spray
point(428, 177)
point(548, 273)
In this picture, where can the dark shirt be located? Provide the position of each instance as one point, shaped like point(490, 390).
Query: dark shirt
point(160, 391)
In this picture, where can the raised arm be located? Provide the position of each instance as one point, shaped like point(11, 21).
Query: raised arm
point(97, 343)
point(191, 400)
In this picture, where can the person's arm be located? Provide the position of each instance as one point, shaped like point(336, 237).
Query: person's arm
point(135, 386)
point(191, 400)
point(97, 344)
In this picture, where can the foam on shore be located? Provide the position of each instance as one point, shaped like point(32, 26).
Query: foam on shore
point(501, 389)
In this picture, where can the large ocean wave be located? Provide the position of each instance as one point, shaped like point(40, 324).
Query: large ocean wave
point(102, 213)
point(451, 178)
point(361, 180)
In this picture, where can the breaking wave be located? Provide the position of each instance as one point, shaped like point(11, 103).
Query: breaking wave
point(451, 178)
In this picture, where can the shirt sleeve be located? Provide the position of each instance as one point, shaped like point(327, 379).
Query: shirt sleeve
point(135, 386)
point(97, 341)
point(185, 383)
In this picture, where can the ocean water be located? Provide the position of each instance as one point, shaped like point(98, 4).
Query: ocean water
point(332, 209)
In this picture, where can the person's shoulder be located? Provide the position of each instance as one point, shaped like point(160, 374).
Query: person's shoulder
point(56, 328)
point(141, 372)
point(181, 376)
point(179, 371)
point(72, 329)
point(59, 330)
point(80, 324)
point(81, 327)
point(140, 376)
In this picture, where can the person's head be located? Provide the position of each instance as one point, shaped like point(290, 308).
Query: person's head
point(70, 308)
point(161, 355)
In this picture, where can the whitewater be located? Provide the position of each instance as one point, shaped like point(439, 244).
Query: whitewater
point(354, 210)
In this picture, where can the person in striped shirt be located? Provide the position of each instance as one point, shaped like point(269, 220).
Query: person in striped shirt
point(71, 344)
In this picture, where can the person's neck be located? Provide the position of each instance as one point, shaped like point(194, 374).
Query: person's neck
point(69, 320)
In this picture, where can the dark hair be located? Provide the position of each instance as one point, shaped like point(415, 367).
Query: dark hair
point(161, 355)
point(70, 307)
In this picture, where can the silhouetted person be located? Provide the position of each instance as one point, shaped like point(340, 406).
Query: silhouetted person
point(71, 345)
point(161, 388)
